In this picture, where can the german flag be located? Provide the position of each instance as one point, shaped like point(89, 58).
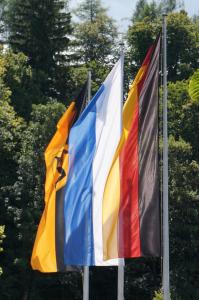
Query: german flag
point(47, 255)
point(131, 206)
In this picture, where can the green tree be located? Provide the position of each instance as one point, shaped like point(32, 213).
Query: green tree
point(154, 9)
point(182, 44)
point(184, 216)
point(2, 236)
point(178, 98)
point(20, 79)
point(158, 296)
point(140, 37)
point(94, 29)
point(194, 86)
point(183, 115)
point(144, 9)
point(11, 127)
point(171, 5)
point(41, 29)
point(183, 190)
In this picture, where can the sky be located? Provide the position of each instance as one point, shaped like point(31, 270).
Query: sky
point(122, 10)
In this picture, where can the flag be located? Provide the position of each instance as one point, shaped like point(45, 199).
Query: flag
point(131, 213)
point(92, 143)
point(47, 255)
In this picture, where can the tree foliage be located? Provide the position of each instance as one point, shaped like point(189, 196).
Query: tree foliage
point(11, 127)
point(194, 86)
point(182, 43)
point(2, 236)
point(94, 29)
point(144, 9)
point(182, 46)
point(41, 29)
point(154, 9)
point(19, 78)
point(184, 225)
point(158, 296)
point(183, 190)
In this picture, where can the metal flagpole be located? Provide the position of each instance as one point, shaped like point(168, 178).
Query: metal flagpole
point(165, 283)
point(120, 274)
point(86, 283)
point(120, 280)
point(86, 268)
point(89, 86)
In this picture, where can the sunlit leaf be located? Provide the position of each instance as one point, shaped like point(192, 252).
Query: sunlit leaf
point(194, 86)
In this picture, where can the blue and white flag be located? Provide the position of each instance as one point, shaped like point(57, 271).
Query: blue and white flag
point(93, 141)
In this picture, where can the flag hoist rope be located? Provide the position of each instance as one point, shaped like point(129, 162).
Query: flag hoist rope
point(165, 283)
point(86, 268)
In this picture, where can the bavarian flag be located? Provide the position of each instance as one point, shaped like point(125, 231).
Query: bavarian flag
point(131, 205)
point(48, 250)
point(93, 141)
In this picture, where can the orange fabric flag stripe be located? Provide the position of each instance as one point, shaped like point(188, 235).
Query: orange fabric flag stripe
point(47, 254)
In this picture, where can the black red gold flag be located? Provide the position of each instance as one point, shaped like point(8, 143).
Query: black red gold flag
point(131, 205)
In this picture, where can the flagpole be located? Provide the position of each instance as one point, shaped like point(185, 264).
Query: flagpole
point(120, 280)
point(89, 86)
point(86, 283)
point(165, 283)
point(86, 268)
point(120, 274)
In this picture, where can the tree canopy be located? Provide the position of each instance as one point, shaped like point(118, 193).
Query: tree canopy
point(41, 29)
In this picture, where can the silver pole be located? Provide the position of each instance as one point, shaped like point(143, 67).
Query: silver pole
point(86, 283)
point(86, 268)
point(120, 274)
point(89, 86)
point(166, 288)
point(120, 280)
